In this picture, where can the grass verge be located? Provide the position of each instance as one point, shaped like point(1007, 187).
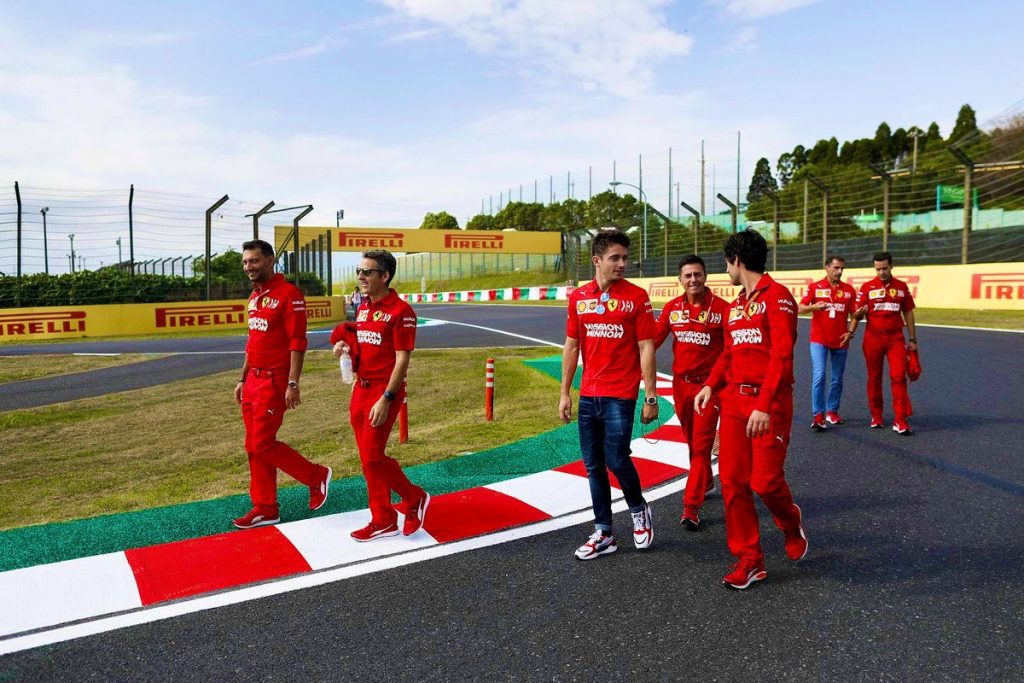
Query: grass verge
point(18, 368)
point(182, 442)
point(495, 281)
point(1007, 320)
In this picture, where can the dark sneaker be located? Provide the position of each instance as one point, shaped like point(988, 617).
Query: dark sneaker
point(796, 541)
point(372, 531)
point(832, 417)
point(318, 492)
point(599, 543)
point(691, 518)
point(744, 574)
point(255, 518)
point(643, 528)
point(901, 427)
point(414, 518)
point(818, 424)
point(876, 423)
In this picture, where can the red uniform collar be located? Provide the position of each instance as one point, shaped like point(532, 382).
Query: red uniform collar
point(389, 299)
point(765, 281)
point(274, 281)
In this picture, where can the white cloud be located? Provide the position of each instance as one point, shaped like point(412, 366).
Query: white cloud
point(409, 36)
point(755, 9)
point(745, 40)
point(604, 45)
point(322, 46)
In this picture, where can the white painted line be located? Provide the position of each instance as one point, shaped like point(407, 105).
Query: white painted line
point(967, 327)
point(160, 612)
point(673, 453)
point(96, 354)
point(556, 493)
point(497, 331)
point(325, 541)
point(36, 597)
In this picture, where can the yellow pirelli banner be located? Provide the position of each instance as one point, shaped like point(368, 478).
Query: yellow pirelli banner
point(71, 322)
point(993, 286)
point(415, 240)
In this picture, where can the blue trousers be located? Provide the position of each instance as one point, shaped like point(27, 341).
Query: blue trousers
point(606, 430)
point(819, 358)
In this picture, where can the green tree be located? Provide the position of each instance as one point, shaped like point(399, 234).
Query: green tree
point(481, 221)
point(564, 216)
point(519, 216)
point(966, 125)
point(442, 220)
point(608, 209)
point(226, 267)
point(761, 181)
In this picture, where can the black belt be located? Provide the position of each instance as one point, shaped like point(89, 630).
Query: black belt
point(749, 389)
point(693, 379)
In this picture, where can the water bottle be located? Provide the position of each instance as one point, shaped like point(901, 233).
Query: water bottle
point(347, 376)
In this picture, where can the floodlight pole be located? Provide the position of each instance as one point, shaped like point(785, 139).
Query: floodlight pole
point(732, 208)
point(824, 215)
point(886, 190)
point(696, 222)
point(256, 219)
point(643, 198)
point(209, 240)
point(17, 196)
point(968, 203)
point(46, 246)
point(772, 195)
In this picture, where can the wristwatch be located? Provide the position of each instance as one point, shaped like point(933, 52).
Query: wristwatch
point(293, 384)
point(651, 400)
point(389, 395)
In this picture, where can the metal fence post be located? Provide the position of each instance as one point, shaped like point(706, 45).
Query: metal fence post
point(209, 237)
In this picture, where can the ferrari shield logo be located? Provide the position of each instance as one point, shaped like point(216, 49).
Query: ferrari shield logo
point(752, 308)
point(703, 317)
point(613, 304)
point(377, 315)
point(892, 291)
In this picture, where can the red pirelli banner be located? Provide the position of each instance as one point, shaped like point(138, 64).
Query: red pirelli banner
point(993, 286)
point(70, 322)
point(407, 240)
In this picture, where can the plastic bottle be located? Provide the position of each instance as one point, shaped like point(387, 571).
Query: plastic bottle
point(347, 376)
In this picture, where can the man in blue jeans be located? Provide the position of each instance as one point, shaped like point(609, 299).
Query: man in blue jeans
point(611, 322)
point(830, 303)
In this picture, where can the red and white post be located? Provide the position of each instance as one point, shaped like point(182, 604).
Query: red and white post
point(403, 414)
point(489, 391)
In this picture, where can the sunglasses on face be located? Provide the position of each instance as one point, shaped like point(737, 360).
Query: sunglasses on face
point(367, 271)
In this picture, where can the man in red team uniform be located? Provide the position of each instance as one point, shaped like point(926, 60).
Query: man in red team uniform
point(381, 344)
point(695, 320)
point(611, 322)
point(755, 376)
point(270, 385)
point(830, 303)
point(888, 304)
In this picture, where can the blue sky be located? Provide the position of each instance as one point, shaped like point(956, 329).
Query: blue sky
point(394, 108)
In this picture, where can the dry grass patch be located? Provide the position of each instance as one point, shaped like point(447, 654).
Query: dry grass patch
point(182, 441)
point(18, 368)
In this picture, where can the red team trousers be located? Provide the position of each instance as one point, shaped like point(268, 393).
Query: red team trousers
point(754, 465)
point(383, 474)
point(263, 409)
point(699, 433)
point(877, 348)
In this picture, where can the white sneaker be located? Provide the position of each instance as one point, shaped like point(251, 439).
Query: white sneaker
point(643, 528)
point(598, 544)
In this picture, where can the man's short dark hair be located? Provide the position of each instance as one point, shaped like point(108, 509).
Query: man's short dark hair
point(259, 245)
point(385, 261)
point(884, 256)
point(834, 257)
point(749, 247)
point(605, 238)
point(690, 260)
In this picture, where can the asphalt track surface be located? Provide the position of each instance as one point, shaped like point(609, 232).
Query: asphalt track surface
point(914, 569)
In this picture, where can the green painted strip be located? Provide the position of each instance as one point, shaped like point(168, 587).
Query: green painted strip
point(47, 543)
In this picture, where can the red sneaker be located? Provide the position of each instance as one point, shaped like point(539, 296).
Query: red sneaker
point(901, 427)
point(691, 518)
point(818, 424)
point(318, 492)
point(832, 417)
point(372, 531)
point(744, 574)
point(414, 518)
point(876, 423)
point(796, 541)
point(257, 517)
